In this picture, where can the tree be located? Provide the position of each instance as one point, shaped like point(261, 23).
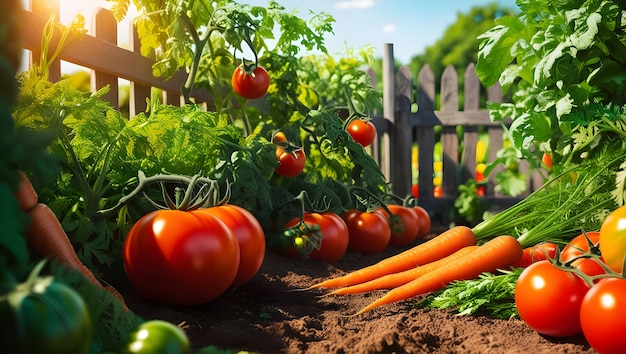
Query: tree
point(459, 45)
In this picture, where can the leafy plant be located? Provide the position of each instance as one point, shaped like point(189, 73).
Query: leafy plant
point(564, 63)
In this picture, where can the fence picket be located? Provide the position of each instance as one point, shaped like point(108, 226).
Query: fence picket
point(104, 27)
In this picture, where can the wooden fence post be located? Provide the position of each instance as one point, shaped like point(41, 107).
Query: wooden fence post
point(424, 134)
point(402, 134)
point(138, 92)
point(449, 137)
point(105, 27)
point(389, 97)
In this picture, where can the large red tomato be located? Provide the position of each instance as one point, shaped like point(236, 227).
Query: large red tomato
point(405, 229)
point(548, 299)
point(250, 236)
point(181, 258)
point(291, 163)
point(334, 232)
point(369, 232)
point(363, 132)
point(613, 239)
point(250, 85)
point(602, 316)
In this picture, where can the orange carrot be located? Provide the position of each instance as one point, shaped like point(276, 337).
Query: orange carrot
point(434, 249)
point(48, 239)
point(394, 280)
point(26, 195)
point(497, 253)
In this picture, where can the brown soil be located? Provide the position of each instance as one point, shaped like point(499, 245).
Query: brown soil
point(270, 315)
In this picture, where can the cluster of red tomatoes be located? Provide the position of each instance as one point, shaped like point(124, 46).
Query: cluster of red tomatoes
point(555, 301)
point(365, 232)
point(191, 257)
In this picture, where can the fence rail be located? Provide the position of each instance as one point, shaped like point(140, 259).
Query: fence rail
point(399, 128)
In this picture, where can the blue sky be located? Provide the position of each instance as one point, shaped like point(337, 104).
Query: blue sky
point(410, 25)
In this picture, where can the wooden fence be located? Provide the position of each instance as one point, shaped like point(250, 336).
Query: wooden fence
point(99, 52)
point(399, 129)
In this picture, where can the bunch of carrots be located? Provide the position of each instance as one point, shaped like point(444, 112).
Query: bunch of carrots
point(429, 266)
point(555, 213)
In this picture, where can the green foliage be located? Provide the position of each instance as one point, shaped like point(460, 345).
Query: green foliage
point(564, 64)
point(493, 294)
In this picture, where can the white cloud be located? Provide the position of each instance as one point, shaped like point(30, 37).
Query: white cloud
point(389, 28)
point(354, 4)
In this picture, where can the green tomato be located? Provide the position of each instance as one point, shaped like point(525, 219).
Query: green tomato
point(44, 316)
point(158, 336)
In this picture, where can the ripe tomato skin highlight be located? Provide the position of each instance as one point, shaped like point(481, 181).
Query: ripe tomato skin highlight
point(404, 232)
point(548, 299)
point(602, 316)
point(613, 239)
point(249, 86)
point(250, 237)
point(362, 132)
point(180, 258)
point(368, 232)
point(291, 164)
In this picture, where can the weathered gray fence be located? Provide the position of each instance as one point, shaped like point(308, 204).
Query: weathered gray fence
point(399, 129)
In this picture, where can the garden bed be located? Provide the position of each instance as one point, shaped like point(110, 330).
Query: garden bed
point(270, 315)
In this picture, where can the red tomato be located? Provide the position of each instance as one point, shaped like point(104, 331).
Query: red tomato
point(547, 160)
point(438, 191)
point(368, 232)
point(291, 163)
point(602, 316)
point(250, 85)
point(424, 220)
point(334, 235)
point(415, 190)
point(250, 237)
point(405, 230)
point(362, 132)
point(548, 299)
point(613, 239)
point(579, 245)
point(181, 258)
point(539, 252)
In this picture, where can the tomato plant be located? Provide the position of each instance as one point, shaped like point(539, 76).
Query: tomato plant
point(334, 231)
point(368, 232)
point(180, 257)
point(250, 84)
point(424, 221)
point(548, 299)
point(363, 132)
point(404, 224)
point(291, 161)
point(613, 239)
point(157, 336)
point(250, 237)
point(602, 316)
point(42, 315)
